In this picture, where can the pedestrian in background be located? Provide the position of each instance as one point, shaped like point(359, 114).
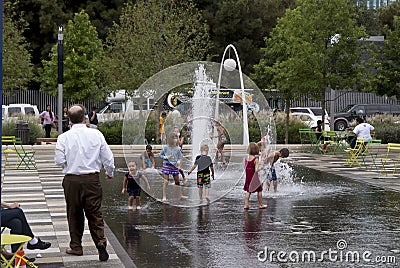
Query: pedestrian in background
point(48, 120)
point(93, 118)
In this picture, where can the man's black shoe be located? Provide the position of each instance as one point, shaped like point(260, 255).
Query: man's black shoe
point(39, 245)
point(103, 255)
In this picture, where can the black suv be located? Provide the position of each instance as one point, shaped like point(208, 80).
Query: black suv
point(352, 111)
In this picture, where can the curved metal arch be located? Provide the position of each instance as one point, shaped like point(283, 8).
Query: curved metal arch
point(245, 123)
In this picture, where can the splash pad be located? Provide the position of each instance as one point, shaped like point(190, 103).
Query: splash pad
point(202, 111)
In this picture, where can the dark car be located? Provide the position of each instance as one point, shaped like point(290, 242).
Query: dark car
point(352, 111)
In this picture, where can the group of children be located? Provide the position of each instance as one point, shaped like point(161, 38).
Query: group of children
point(257, 164)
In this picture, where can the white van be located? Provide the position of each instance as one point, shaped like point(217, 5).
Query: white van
point(118, 103)
point(14, 110)
point(310, 116)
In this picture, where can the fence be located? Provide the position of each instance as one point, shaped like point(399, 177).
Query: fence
point(41, 100)
point(342, 99)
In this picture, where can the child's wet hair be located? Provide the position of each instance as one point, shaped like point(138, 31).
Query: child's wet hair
point(261, 144)
point(284, 152)
point(253, 149)
point(204, 147)
point(171, 137)
point(148, 147)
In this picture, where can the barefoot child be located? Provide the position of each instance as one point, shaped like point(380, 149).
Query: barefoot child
point(131, 184)
point(172, 156)
point(180, 145)
point(252, 183)
point(204, 164)
point(271, 173)
point(220, 145)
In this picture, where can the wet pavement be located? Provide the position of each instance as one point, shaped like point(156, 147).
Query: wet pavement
point(313, 211)
point(317, 219)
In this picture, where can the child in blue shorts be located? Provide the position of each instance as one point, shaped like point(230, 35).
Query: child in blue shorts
point(131, 184)
point(271, 176)
point(204, 165)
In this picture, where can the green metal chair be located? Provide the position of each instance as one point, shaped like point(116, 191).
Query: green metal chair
point(372, 150)
point(25, 159)
point(305, 138)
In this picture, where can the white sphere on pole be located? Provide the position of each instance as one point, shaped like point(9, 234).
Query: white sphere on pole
point(229, 65)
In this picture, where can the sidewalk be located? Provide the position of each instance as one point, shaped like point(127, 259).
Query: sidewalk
point(41, 196)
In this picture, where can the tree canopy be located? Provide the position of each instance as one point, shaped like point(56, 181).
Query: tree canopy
point(153, 35)
point(17, 66)
point(313, 46)
point(243, 23)
point(82, 52)
point(388, 73)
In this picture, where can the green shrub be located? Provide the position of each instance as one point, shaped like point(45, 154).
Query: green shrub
point(254, 131)
point(35, 130)
point(152, 127)
point(294, 125)
point(112, 131)
point(387, 127)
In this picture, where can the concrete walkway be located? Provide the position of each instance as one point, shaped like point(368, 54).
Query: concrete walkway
point(41, 197)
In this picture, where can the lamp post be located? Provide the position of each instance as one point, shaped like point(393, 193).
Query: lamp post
point(1, 81)
point(230, 65)
point(60, 51)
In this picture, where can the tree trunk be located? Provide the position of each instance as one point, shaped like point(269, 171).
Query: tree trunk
point(323, 106)
point(287, 121)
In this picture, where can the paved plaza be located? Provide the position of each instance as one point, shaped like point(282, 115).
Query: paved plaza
point(41, 197)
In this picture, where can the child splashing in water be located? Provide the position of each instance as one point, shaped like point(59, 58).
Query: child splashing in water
point(172, 156)
point(204, 165)
point(269, 167)
point(252, 183)
point(131, 184)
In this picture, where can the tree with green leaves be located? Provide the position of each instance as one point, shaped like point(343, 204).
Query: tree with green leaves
point(45, 16)
point(151, 36)
point(82, 52)
point(387, 80)
point(387, 14)
point(243, 23)
point(317, 46)
point(17, 66)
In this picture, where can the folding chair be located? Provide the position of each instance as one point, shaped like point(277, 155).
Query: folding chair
point(391, 149)
point(8, 140)
point(333, 140)
point(353, 153)
point(371, 149)
point(9, 239)
point(305, 137)
point(26, 157)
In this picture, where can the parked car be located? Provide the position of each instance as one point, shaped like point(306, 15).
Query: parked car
point(352, 111)
point(310, 116)
point(13, 110)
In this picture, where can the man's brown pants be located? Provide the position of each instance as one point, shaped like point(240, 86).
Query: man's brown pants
point(83, 193)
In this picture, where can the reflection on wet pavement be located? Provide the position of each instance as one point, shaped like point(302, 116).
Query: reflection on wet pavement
point(315, 212)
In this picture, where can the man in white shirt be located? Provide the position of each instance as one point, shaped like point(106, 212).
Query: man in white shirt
point(362, 130)
point(81, 152)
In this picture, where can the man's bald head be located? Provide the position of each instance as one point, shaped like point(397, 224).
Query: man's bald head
point(77, 114)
